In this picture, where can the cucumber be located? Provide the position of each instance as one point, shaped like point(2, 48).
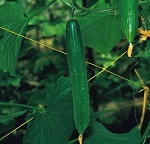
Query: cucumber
point(78, 76)
point(129, 18)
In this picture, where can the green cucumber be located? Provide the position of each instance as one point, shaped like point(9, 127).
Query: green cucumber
point(129, 18)
point(78, 75)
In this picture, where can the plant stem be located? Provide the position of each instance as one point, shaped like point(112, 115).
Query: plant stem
point(77, 7)
point(43, 8)
point(88, 9)
point(19, 105)
point(68, 4)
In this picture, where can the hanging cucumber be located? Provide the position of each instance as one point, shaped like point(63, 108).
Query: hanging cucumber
point(78, 75)
point(129, 20)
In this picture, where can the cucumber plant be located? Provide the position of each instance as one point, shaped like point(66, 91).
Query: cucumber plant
point(78, 75)
point(129, 20)
point(54, 115)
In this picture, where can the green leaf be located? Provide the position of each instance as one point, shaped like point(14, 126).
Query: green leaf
point(12, 18)
point(55, 124)
point(101, 30)
point(100, 135)
point(5, 118)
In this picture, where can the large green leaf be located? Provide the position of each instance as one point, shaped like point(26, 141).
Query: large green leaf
point(5, 118)
point(100, 30)
point(12, 18)
point(55, 124)
point(100, 135)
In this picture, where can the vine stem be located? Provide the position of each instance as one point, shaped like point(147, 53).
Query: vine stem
point(88, 9)
point(19, 105)
point(72, 12)
point(43, 8)
point(84, 9)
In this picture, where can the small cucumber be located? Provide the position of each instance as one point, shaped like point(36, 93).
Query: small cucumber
point(78, 75)
point(129, 18)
